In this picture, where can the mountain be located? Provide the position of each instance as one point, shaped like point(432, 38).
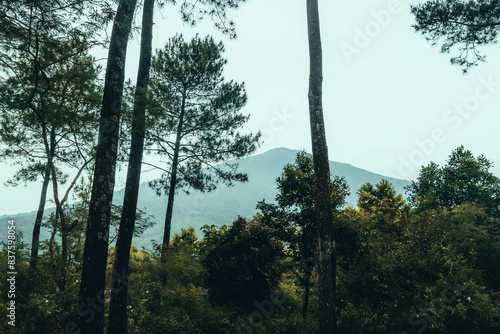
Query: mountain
point(225, 204)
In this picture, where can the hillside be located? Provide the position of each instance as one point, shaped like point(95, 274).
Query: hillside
point(224, 204)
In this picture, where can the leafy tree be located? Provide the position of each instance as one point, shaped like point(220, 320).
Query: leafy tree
point(378, 271)
point(323, 205)
point(195, 119)
point(415, 270)
point(28, 27)
point(40, 53)
point(463, 179)
point(162, 302)
point(52, 129)
point(380, 202)
point(447, 248)
point(243, 262)
point(186, 240)
point(460, 26)
point(293, 218)
point(38, 44)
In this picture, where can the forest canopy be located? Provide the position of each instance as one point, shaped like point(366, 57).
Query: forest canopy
point(302, 262)
point(403, 266)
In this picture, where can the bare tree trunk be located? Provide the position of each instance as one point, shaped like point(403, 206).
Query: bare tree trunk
point(36, 241)
point(323, 205)
point(170, 207)
point(307, 288)
point(173, 181)
point(38, 222)
point(63, 275)
point(61, 216)
point(308, 253)
point(96, 243)
point(39, 216)
point(118, 302)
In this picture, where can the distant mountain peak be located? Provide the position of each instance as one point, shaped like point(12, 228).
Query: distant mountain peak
point(225, 204)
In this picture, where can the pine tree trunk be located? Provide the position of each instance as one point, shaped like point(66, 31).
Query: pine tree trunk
point(118, 302)
point(38, 222)
point(39, 216)
point(96, 243)
point(170, 208)
point(308, 253)
point(36, 242)
point(63, 276)
point(323, 206)
point(307, 288)
point(173, 181)
point(62, 273)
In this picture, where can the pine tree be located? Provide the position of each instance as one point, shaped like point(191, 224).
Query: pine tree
point(323, 205)
point(461, 26)
point(118, 302)
point(195, 120)
point(97, 234)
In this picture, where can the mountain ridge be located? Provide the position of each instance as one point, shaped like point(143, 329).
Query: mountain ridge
point(225, 204)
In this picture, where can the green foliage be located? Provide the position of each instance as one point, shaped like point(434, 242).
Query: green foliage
point(216, 9)
point(194, 115)
point(48, 84)
point(293, 218)
point(417, 268)
point(464, 179)
point(243, 262)
point(168, 297)
point(381, 202)
point(187, 239)
point(36, 314)
point(432, 269)
point(460, 26)
point(28, 25)
point(51, 118)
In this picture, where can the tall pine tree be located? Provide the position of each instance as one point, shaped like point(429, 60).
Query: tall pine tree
point(118, 302)
point(323, 205)
point(97, 234)
point(196, 120)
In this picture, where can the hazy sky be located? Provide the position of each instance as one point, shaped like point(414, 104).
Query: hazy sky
point(392, 102)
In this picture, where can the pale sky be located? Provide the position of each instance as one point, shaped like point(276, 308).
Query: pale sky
point(392, 102)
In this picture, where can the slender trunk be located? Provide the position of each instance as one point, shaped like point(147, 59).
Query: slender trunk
point(36, 241)
point(307, 281)
point(170, 205)
point(63, 275)
point(39, 216)
point(91, 319)
point(62, 272)
point(52, 254)
point(118, 302)
point(323, 205)
point(38, 223)
point(173, 181)
point(308, 253)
